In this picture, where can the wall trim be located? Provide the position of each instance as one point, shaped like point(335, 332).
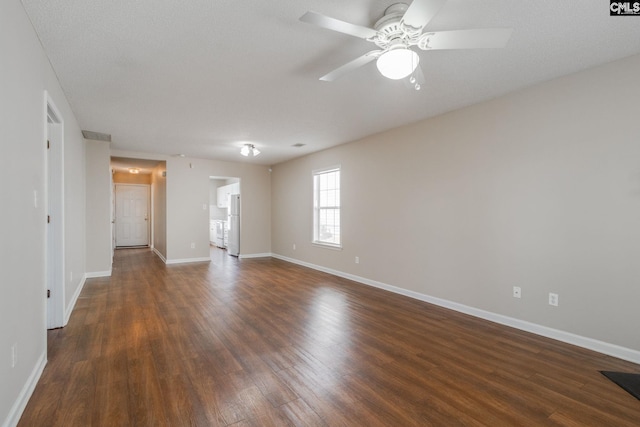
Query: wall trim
point(95, 274)
point(545, 331)
point(248, 256)
point(186, 260)
point(25, 394)
point(72, 304)
point(157, 252)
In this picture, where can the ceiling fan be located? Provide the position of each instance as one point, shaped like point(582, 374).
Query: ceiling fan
point(398, 31)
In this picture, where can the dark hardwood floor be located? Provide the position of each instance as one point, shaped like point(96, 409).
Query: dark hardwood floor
point(261, 342)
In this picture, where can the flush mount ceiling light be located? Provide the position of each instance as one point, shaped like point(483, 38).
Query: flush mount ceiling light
point(249, 149)
point(397, 63)
point(134, 170)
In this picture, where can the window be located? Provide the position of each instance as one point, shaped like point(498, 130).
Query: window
point(326, 207)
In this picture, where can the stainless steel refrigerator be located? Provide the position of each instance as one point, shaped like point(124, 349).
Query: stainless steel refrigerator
point(233, 246)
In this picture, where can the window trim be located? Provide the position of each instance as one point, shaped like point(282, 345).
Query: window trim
point(314, 174)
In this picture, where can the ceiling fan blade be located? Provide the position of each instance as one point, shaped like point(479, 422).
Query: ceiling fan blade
point(466, 39)
point(338, 25)
point(350, 66)
point(420, 12)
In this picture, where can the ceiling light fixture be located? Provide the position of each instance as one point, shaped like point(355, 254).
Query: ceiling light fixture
point(134, 170)
point(249, 149)
point(397, 62)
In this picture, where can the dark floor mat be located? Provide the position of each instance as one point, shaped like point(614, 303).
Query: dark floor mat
point(629, 382)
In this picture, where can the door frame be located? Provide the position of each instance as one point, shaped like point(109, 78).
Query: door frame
point(115, 210)
point(54, 208)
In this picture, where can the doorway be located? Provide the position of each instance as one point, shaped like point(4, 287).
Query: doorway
point(54, 188)
point(224, 214)
point(132, 215)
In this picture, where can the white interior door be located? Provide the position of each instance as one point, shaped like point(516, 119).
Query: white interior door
point(132, 215)
point(55, 217)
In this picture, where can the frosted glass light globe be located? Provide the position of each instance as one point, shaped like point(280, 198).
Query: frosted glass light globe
point(397, 64)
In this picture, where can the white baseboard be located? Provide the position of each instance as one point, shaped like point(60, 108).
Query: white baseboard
point(95, 274)
point(247, 256)
point(157, 252)
point(69, 309)
point(25, 394)
point(556, 334)
point(186, 260)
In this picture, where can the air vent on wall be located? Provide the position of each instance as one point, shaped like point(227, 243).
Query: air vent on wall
point(96, 136)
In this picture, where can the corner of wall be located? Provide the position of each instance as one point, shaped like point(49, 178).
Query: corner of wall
point(74, 298)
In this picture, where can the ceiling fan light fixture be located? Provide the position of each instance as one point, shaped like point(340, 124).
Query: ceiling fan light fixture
point(249, 149)
point(396, 64)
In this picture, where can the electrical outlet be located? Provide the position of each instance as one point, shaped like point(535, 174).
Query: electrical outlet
point(294, 246)
point(517, 292)
point(14, 355)
point(553, 299)
point(204, 206)
point(357, 260)
point(71, 276)
point(193, 245)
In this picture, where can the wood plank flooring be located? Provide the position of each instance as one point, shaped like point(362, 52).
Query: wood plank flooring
point(261, 342)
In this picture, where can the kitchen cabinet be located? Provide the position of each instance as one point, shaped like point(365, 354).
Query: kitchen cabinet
point(222, 199)
point(223, 193)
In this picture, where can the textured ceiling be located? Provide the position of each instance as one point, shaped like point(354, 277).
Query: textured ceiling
point(123, 164)
point(202, 77)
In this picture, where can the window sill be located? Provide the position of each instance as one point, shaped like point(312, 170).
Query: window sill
point(327, 246)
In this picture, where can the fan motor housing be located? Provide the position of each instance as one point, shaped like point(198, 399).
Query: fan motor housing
point(390, 28)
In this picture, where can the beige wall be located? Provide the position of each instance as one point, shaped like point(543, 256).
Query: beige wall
point(188, 183)
point(98, 208)
point(187, 204)
point(538, 189)
point(130, 178)
point(25, 74)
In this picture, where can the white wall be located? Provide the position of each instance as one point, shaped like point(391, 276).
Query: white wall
point(24, 76)
point(74, 205)
point(159, 191)
point(538, 189)
point(98, 209)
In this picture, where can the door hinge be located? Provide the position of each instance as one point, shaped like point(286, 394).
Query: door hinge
point(48, 144)
point(48, 293)
point(48, 219)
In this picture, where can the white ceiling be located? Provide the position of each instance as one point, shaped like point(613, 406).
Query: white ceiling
point(202, 77)
point(123, 164)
